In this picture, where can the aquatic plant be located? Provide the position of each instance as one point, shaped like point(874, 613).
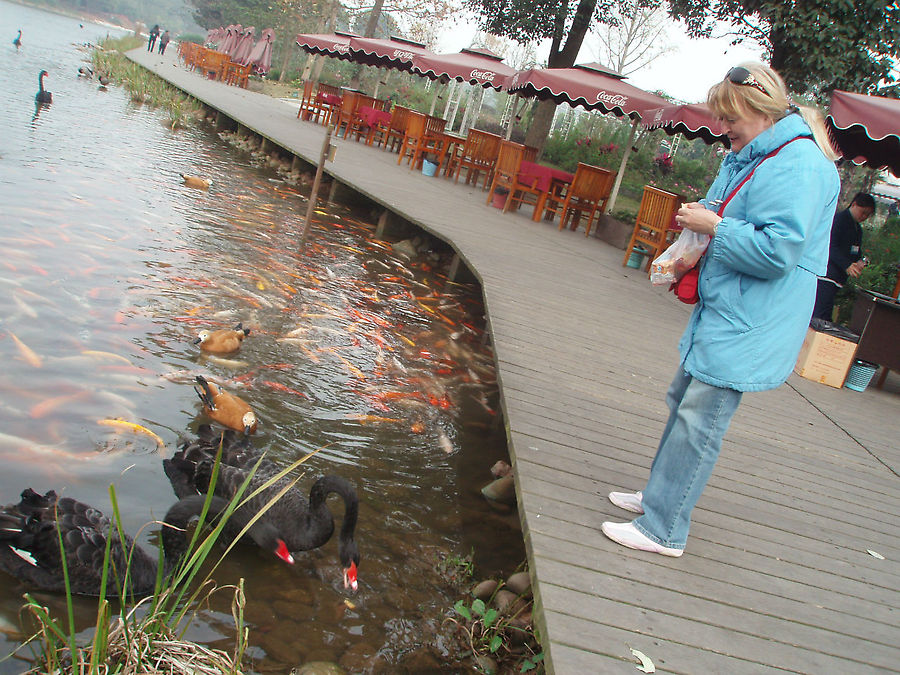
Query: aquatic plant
point(148, 637)
point(142, 85)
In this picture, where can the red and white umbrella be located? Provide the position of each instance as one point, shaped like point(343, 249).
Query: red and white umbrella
point(693, 120)
point(232, 35)
point(473, 65)
point(866, 129)
point(261, 56)
point(397, 53)
point(244, 45)
point(590, 85)
point(336, 45)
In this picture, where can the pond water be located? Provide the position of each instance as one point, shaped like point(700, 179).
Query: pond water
point(111, 265)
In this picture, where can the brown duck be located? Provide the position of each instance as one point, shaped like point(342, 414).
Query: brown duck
point(227, 409)
point(222, 341)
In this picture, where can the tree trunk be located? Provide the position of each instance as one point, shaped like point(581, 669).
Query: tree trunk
point(372, 24)
point(560, 58)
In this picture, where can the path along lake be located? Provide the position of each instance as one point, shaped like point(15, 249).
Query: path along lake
point(111, 266)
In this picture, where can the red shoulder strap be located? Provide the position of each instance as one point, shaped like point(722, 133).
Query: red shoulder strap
point(747, 177)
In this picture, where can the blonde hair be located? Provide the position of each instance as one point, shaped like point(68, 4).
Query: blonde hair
point(728, 99)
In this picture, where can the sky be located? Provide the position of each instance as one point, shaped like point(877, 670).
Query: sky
point(686, 72)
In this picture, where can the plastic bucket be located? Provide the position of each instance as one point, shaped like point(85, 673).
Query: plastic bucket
point(636, 257)
point(860, 375)
point(429, 168)
point(498, 201)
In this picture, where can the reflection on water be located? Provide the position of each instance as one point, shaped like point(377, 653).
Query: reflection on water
point(111, 266)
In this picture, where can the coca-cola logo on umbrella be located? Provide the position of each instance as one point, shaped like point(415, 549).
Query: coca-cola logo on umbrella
point(611, 99)
point(405, 56)
point(339, 47)
point(485, 75)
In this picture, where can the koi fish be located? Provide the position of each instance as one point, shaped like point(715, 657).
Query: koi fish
point(46, 407)
point(134, 428)
point(353, 369)
point(376, 419)
point(445, 442)
point(27, 352)
point(105, 355)
point(226, 363)
point(277, 386)
point(24, 307)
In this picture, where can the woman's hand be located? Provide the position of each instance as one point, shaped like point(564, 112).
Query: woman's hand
point(694, 216)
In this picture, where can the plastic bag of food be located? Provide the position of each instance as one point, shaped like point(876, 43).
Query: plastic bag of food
point(675, 261)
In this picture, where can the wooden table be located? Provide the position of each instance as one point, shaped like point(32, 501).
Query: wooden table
point(548, 179)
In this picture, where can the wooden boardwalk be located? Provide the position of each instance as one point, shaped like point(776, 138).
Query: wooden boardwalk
point(776, 576)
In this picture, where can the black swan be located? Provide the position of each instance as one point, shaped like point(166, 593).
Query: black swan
point(43, 96)
point(18, 41)
point(303, 524)
point(29, 543)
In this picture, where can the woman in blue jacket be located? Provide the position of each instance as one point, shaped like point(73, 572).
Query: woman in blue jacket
point(769, 214)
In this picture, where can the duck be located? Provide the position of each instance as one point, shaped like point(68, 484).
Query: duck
point(29, 543)
point(85, 71)
point(18, 40)
point(303, 523)
point(43, 96)
point(103, 79)
point(227, 409)
point(224, 341)
point(196, 181)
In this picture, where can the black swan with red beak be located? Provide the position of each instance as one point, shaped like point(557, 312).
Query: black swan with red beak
point(29, 543)
point(303, 524)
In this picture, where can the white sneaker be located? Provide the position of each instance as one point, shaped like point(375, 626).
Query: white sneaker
point(628, 535)
point(630, 501)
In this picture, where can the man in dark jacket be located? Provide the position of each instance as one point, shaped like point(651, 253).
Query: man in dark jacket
point(844, 253)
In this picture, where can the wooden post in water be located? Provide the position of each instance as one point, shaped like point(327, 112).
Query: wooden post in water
point(313, 196)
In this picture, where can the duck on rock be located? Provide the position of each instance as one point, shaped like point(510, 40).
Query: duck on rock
point(30, 533)
point(227, 409)
point(302, 523)
point(223, 341)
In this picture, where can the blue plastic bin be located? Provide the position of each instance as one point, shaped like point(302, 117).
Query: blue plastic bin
point(860, 374)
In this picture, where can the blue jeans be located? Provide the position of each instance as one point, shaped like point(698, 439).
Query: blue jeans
point(688, 450)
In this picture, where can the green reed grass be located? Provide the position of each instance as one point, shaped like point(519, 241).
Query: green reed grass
point(149, 637)
point(142, 86)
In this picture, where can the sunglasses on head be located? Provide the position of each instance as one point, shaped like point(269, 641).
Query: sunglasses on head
point(742, 76)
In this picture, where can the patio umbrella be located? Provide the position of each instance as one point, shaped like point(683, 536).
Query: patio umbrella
point(261, 56)
point(244, 45)
point(474, 65)
point(336, 45)
point(232, 35)
point(866, 129)
point(692, 120)
point(396, 53)
point(593, 87)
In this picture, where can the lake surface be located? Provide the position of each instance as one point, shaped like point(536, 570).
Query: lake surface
point(111, 265)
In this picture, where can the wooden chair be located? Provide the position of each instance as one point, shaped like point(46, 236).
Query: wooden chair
point(506, 173)
point(236, 74)
point(397, 128)
point(530, 154)
point(655, 219)
point(308, 106)
point(356, 125)
point(588, 193)
point(413, 134)
point(479, 153)
point(343, 116)
point(213, 64)
point(327, 110)
point(418, 141)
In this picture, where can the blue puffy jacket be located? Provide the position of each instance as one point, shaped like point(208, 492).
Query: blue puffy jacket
point(758, 278)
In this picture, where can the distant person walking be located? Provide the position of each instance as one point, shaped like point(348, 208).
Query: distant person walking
point(844, 252)
point(18, 41)
point(163, 41)
point(154, 33)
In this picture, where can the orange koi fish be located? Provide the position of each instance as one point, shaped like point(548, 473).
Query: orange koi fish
point(44, 408)
point(135, 428)
point(27, 352)
point(353, 369)
point(375, 419)
point(277, 386)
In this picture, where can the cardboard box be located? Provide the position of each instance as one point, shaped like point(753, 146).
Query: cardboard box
point(825, 358)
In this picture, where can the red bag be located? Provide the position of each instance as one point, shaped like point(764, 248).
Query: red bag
point(686, 288)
